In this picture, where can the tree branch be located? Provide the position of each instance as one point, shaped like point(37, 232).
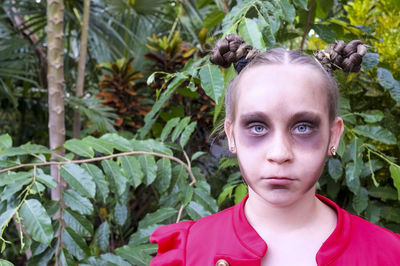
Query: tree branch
point(307, 27)
point(186, 166)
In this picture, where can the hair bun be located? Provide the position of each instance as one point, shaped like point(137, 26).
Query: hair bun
point(339, 55)
point(231, 50)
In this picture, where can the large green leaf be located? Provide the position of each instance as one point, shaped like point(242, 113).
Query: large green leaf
point(385, 78)
point(100, 145)
point(212, 81)
point(42, 259)
point(110, 259)
point(102, 236)
point(78, 223)
point(391, 214)
point(384, 193)
point(235, 14)
point(196, 210)
point(79, 147)
point(25, 149)
point(240, 193)
point(187, 133)
point(36, 221)
point(377, 133)
point(395, 173)
point(9, 178)
point(163, 175)
point(77, 203)
point(213, 19)
point(395, 92)
point(132, 170)
point(288, 10)
point(249, 31)
point(66, 259)
point(157, 217)
point(75, 244)
point(13, 188)
point(149, 167)
point(154, 145)
point(5, 263)
point(5, 217)
point(47, 180)
point(116, 179)
point(120, 213)
point(168, 128)
point(204, 198)
point(226, 193)
point(360, 201)
point(372, 116)
point(301, 3)
point(335, 168)
point(5, 142)
point(141, 236)
point(100, 180)
point(79, 179)
point(118, 142)
point(352, 178)
point(325, 32)
point(370, 61)
point(179, 128)
point(135, 255)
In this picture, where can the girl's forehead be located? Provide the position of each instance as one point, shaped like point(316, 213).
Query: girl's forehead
point(277, 88)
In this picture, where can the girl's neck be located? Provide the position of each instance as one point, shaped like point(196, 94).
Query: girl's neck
point(301, 214)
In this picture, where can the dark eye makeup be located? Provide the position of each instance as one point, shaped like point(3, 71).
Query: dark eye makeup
point(302, 124)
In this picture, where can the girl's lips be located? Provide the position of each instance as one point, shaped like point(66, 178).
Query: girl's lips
point(279, 180)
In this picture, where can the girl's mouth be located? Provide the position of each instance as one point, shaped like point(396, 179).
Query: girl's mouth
point(280, 181)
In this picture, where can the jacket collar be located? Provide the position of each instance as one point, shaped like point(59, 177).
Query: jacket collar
point(329, 251)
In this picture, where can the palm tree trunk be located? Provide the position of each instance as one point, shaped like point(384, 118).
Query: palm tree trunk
point(55, 80)
point(81, 67)
point(55, 83)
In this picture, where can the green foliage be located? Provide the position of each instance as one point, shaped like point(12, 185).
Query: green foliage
point(104, 186)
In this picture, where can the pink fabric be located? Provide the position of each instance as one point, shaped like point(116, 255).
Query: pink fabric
point(228, 235)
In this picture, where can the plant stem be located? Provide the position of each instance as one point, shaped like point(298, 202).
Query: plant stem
point(306, 29)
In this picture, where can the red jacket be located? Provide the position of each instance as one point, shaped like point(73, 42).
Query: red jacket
point(228, 235)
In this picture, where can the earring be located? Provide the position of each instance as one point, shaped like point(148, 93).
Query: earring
point(232, 148)
point(333, 150)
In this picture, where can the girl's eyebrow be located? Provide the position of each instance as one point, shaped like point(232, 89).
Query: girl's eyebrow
point(262, 117)
point(254, 117)
point(306, 116)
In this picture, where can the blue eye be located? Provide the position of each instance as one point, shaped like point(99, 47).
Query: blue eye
point(302, 128)
point(257, 129)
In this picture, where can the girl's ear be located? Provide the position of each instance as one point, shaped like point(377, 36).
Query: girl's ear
point(336, 132)
point(228, 127)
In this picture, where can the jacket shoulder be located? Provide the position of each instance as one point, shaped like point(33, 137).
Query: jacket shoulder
point(171, 240)
point(374, 233)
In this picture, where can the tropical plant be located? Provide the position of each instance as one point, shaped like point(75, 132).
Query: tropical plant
point(120, 90)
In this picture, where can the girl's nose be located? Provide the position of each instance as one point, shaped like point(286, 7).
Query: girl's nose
point(280, 149)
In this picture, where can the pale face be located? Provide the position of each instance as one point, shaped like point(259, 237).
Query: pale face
point(281, 132)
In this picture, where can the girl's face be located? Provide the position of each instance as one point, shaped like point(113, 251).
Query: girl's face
point(281, 132)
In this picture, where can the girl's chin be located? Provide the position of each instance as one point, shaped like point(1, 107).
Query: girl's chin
point(279, 197)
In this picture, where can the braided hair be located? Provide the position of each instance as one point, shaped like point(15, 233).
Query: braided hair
point(234, 50)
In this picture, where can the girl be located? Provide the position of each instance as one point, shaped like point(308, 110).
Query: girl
point(281, 121)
